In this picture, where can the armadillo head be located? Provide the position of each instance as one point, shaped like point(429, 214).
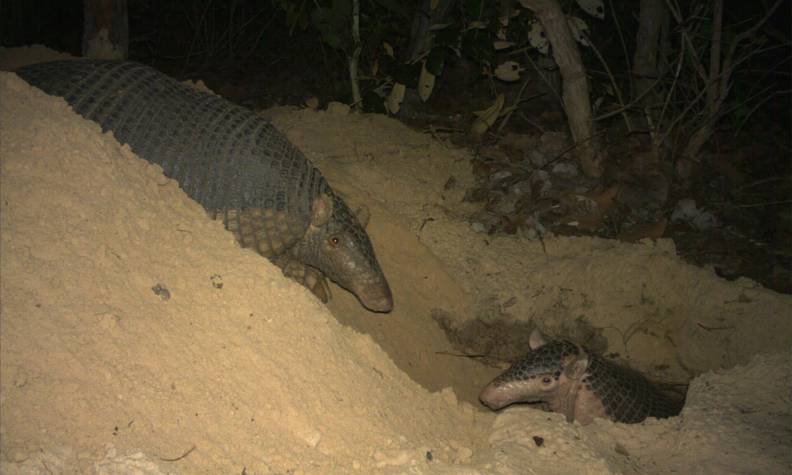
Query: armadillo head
point(540, 376)
point(336, 244)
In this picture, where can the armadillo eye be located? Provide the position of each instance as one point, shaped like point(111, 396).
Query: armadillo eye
point(334, 241)
point(546, 380)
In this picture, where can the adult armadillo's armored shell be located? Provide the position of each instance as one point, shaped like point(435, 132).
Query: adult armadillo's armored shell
point(234, 163)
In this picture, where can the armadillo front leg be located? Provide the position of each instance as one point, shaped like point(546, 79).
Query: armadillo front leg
point(270, 233)
point(308, 276)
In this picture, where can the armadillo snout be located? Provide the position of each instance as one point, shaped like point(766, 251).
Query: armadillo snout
point(375, 296)
point(497, 396)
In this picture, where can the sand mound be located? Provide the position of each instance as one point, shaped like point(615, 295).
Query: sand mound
point(129, 316)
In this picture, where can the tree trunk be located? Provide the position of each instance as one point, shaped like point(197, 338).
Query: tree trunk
point(105, 29)
point(647, 67)
point(420, 35)
point(716, 92)
point(645, 63)
point(575, 85)
point(357, 100)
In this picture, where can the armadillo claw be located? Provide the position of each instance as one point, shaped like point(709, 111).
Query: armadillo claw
point(309, 277)
point(315, 282)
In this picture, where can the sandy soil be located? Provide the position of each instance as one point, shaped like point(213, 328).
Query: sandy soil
point(136, 336)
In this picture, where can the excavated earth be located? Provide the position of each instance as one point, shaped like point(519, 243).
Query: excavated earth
point(137, 337)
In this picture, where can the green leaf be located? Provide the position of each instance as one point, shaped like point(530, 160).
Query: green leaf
point(436, 60)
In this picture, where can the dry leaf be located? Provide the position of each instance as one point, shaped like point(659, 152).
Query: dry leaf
point(587, 211)
point(537, 37)
point(642, 231)
point(594, 8)
point(426, 82)
point(388, 48)
point(395, 98)
point(491, 113)
point(501, 44)
point(479, 127)
point(439, 26)
point(579, 29)
point(487, 117)
point(605, 199)
point(508, 71)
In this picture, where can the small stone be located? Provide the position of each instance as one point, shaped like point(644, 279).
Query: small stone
point(312, 103)
point(565, 169)
point(520, 188)
point(464, 454)
point(500, 175)
point(20, 378)
point(162, 291)
point(313, 439)
point(16, 455)
point(392, 457)
point(337, 108)
point(537, 158)
point(478, 227)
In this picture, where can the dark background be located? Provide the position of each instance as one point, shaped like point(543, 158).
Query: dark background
point(263, 53)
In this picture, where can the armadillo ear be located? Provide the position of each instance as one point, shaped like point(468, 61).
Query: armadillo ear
point(322, 210)
point(363, 215)
point(576, 367)
point(536, 340)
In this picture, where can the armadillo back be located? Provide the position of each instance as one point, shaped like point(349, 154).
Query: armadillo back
point(223, 156)
point(626, 394)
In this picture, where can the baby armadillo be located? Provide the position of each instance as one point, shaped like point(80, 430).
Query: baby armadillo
point(578, 384)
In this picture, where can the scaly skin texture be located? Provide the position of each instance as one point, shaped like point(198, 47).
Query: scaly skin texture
point(581, 385)
point(234, 163)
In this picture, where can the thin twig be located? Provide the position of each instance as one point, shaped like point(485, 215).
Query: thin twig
point(616, 88)
point(761, 182)
point(715, 57)
point(570, 148)
point(755, 107)
point(195, 36)
point(176, 459)
point(462, 355)
point(767, 203)
point(514, 106)
point(615, 17)
point(629, 106)
point(670, 94)
point(542, 76)
point(530, 122)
